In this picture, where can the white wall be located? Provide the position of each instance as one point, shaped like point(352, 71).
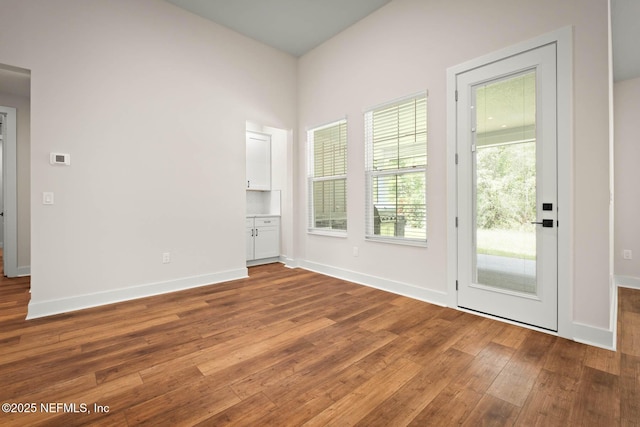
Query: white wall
point(406, 47)
point(23, 117)
point(627, 177)
point(151, 103)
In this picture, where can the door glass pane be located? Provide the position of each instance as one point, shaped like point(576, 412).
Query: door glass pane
point(505, 183)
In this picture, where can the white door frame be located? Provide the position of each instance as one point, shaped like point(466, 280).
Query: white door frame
point(563, 38)
point(9, 188)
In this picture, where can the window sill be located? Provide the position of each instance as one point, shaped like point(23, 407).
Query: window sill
point(329, 233)
point(396, 241)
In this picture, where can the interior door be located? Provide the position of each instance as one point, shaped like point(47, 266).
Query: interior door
point(507, 188)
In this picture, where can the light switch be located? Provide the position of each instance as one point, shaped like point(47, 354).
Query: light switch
point(47, 198)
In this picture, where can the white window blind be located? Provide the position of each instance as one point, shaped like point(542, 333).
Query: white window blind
point(327, 178)
point(396, 164)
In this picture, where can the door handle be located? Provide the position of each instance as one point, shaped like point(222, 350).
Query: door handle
point(544, 222)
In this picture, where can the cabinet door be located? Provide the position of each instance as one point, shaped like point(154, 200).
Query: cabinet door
point(250, 248)
point(249, 242)
point(258, 162)
point(267, 242)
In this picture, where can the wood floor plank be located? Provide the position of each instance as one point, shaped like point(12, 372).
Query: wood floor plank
point(630, 384)
point(254, 349)
point(630, 337)
point(261, 373)
point(327, 363)
point(301, 408)
point(550, 401)
point(289, 347)
point(403, 405)
point(491, 411)
point(566, 358)
point(450, 407)
point(385, 355)
point(466, 387)
point(517, 378)
point(603, 359)
point(511, 336)
point(246, 412)
point(477, 338)
point(366, 397)
point(482, 371)
point(598, 399)
point(436, 336)
point(629, 300)
point(187, 405)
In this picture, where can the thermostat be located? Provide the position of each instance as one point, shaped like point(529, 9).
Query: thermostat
point(60, 159)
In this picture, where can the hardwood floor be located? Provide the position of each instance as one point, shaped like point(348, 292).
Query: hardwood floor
point(291, 347)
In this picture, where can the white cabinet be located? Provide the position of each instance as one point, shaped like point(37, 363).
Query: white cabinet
point(267, 239)
point(250, 238)
point(258, 161)
point(263, 237)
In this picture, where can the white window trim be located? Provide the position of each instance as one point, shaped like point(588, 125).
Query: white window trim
point(370, 174)
point(311, 179)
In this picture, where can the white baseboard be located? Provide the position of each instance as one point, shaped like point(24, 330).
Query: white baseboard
point(585, 334)
point(289, 262)
point(404, 289)
point(593, 336)
point(254, 262)
point(628, 282)
point(64, 305)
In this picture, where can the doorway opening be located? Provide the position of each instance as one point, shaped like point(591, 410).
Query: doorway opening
point(15, 93)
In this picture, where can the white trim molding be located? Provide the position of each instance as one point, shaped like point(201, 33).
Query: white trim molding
point(411, 291)
point(591, 335)
point(10, 196)
point(51, 307)
point(254, 262)
point(628, 282)
point(289, 262)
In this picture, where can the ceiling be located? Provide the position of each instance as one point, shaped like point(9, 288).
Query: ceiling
point(293, 26)
point(297, 26)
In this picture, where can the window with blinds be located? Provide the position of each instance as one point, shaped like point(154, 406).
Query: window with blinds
point(327, 178)
point(396, 165)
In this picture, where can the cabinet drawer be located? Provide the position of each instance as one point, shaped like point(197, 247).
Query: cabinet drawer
point(269, 221)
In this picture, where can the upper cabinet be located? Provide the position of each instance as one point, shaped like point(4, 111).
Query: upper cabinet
point(258, 161)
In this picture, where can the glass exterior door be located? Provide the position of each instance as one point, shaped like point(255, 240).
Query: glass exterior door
point(504, 135)
point(507, 188)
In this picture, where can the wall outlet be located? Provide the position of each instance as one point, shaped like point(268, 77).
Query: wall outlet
point(166, 258)
point(627, 254)
point(47, 198)
point(356, 251)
